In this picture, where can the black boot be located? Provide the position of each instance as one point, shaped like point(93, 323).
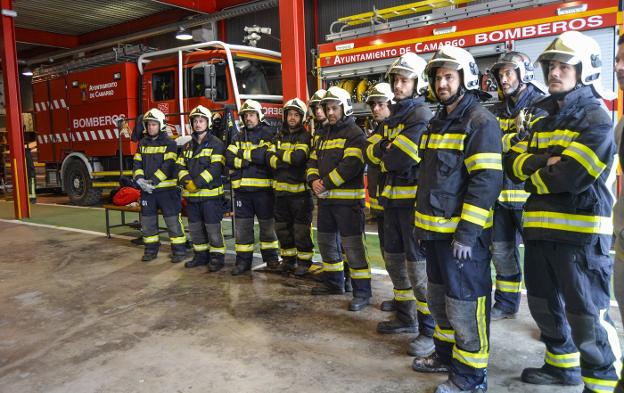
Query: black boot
point(217, 261)
point(358, 303)
point(430, 364)
point(302, 268)
point(149, 255)
point(388, 305)
point(240, 267)
point(325, 289)
point(178, 257)
point(550, 376)
point(199, 259)
point(395, 326)
point(288, 265)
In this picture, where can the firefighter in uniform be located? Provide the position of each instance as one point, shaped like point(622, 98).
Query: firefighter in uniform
point(395, 151)
point(460, 178)
point(514, 76)
point(293, 198)
point(336, 174)
point(379, 99)
point(154, 170)
point(252, 184)
point(566, 164)
point(200, 166)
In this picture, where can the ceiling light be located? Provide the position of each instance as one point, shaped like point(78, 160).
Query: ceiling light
point(26, 71)
point(571, 10)
point(183, 34)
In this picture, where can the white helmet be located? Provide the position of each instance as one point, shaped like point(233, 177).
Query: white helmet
point(380, 92)
point(335, 93)
point(295, 104)
point(409, 65)
point(578, 49)
point(457, 59)
point(251, 106)
point(317, 97)
point(154, 115)
point(201, 111)
point(519, 62)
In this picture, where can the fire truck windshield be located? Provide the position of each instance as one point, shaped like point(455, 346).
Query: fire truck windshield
point(258, 77)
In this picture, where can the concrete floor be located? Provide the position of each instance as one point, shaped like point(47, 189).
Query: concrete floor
point(80, 313)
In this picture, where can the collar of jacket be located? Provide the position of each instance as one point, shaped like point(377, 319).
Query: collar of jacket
point(572, 102)
point(402, 109)
point(466, 102)
point(526, 97)
point(286, 130)
point(343, 123)
point(162, 136)
point(206, 139)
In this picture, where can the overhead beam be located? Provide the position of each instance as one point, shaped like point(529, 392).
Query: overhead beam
point(45, 38)
point(202, 6)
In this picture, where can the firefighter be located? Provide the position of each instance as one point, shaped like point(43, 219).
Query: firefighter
point(336, 174)
point(379, 99)
point(200, 166)
point(618, 209)
point(154, 171)
point(514, 76)
point(396, 151)
point(566, 164)
point(460, 178)
point(252, 183)
point(293, 198)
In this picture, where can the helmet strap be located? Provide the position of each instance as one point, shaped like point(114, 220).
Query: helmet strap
point(451, 100)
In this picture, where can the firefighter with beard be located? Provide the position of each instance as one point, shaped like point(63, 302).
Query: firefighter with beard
point(293, 198)
point(460, 178)
point(336, 175)
point(252, 184)
point(200, 166)
point(515, 112)
point(566, 164)
point(154, 170)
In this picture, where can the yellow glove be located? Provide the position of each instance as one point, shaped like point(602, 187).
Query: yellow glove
point(191, 187)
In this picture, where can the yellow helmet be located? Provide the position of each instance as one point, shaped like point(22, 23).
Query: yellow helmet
point(201, 111)
point(154, 115)
point(252, 106)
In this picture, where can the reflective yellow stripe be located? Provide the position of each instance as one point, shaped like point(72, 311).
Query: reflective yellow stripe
point(360, 274)
point(233, 149)
point(206, 176)
point(288, 187)
point(565, 360)
point(201, 247)
point(346, 194)
point(138, 172)
point(475, 214)
point(217, 158)
point(333, 267)
point(600, 385)
point(151, 239)
point(568, 222)
point(160, 175)
point(375, 138)
point(217, 250)
point(153, 149)
point(586, 157)
point(205, 152)
point(178, 239)
point(353, 152)
point(251, 182)
point(333, 144)
point(286, 157)
point(506, 141)
point(247, 154)
point(506, 124)
point(399, 192)
point(288, 252)
point(371, 156)
point(483, 161)
point(446, 335)
point(302, 146)
point(435, 224)
point(312, 171)
point(204, 192)
point(443, 141)
point(273, 162)
point(404, 295)
point(171, 156)
point(544, 140)
point(539, 184)
point(269, 245)
point(238, 163)
point(137, 157)
point(167, 183)
point(313, 155)
point(422, 307)
point(373, 203)
point(517, 165)
point(182, 173)
point(476, 359)
point(304, 255)
point(335, 177)
point(243, 247)
point(513, 196)
point(520, 147)
point(508, 286)
point(407, 146)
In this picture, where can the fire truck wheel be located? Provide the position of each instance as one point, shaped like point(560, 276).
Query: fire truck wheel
point(78, 185)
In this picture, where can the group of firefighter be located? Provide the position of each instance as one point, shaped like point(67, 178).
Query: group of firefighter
point(452, 191)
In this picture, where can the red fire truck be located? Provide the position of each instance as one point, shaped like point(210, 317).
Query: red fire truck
point(85, 109)
point(362, 46)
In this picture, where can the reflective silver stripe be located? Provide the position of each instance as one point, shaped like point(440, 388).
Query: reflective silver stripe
point(565, 360)
point(436, 224)
point(346, 194)
point(568, 222)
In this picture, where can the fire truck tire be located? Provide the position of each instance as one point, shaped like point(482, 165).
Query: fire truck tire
point(78, 186)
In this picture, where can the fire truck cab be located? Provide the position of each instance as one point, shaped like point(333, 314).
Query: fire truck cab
point(85, 111)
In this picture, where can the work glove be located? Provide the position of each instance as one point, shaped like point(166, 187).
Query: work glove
point(190, 186)
point(145, 185)
point(461, 251)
